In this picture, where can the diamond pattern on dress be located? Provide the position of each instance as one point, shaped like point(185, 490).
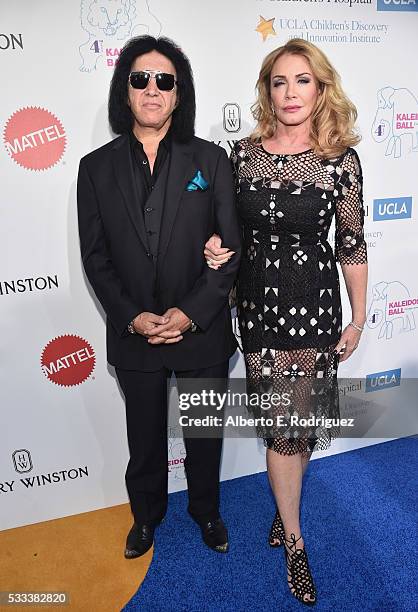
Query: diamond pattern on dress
point(288, 295)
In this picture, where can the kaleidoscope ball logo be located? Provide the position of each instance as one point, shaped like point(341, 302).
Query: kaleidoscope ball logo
point(34, 138)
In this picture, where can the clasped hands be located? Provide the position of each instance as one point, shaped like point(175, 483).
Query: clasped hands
point(165, 329)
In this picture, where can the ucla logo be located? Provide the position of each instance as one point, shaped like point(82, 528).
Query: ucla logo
point(392, 208)
point(383, 380)
point(396, 121)
point(397, 5)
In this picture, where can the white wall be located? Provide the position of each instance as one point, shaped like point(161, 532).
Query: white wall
point(76, 429)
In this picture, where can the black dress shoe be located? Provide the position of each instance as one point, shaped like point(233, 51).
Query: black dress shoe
point(139, 540)
point(215, 535)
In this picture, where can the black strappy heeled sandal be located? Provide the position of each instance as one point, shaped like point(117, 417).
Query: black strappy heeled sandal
point(299, 575)
point(277, 535)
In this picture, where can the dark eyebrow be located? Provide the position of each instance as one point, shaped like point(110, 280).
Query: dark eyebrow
point(281, 76)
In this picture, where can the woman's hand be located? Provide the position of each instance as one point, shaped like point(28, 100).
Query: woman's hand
point(348, 342)
point(215, 254)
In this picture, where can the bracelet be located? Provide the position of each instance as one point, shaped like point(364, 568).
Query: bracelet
point(357, 327)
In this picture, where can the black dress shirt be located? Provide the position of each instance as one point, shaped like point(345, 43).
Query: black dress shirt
point(144, 179)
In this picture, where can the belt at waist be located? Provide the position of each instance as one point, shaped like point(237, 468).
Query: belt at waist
point(287, 239)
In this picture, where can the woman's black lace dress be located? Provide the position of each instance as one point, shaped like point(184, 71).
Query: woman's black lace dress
point(288, 293)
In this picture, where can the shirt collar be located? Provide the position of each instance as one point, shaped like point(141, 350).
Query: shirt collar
point(164, 142)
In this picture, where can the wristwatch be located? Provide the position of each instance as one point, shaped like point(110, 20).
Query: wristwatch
point(193, 326)
point(131, 328)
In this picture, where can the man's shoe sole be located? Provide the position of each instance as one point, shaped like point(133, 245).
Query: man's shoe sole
point(134, 554)
point(221, 548)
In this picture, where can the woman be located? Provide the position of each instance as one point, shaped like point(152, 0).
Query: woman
point(293, 174)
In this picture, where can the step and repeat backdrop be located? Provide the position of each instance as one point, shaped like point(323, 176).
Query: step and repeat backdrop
point(63, 441)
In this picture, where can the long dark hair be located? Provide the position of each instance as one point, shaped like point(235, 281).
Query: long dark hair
point(120, 115)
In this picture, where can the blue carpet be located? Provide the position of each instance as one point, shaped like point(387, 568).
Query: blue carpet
point(359, 520)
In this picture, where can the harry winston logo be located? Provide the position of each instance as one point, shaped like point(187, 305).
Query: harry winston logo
point(231, 117)
point(22, 461)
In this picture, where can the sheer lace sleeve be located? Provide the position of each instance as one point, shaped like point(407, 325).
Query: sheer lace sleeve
point(350, 246)
point(234, 159)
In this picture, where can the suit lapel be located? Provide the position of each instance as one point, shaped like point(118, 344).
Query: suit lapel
point(180, 172)
point(124, 173)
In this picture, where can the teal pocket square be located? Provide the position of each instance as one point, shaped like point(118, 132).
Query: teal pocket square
point(198, 183)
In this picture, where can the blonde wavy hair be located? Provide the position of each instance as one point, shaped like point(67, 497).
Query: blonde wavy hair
point(333, 119)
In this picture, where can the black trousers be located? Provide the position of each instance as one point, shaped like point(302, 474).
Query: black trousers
point(147, 471)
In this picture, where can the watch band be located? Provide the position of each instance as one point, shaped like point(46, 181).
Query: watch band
point(193, 326)
point(131, 328)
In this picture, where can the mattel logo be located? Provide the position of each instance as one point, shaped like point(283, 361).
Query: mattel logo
point(68, 360)
point(392, 208)
point(383, 380)
point(34, 138)
point(397, 5)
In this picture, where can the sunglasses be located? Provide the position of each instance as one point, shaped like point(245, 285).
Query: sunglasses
point(164, 81)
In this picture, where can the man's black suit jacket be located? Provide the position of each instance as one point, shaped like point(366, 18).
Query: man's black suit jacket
point(122, 273)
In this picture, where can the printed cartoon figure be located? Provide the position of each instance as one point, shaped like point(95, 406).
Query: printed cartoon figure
point(116, 20)
point(386, 310)
point(396, 119)
point(177, 451)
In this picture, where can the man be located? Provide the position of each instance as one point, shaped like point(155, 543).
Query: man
point(147, 203)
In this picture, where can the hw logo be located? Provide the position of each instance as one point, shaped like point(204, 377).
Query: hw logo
point(397, 5)
point(392, 309)
point(232, 117)
point(22, 461)
point(396, 120)
point(383, 380)
point(392, 208)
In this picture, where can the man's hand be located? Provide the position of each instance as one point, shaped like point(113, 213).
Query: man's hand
point(145, 322)
point(172, 331)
